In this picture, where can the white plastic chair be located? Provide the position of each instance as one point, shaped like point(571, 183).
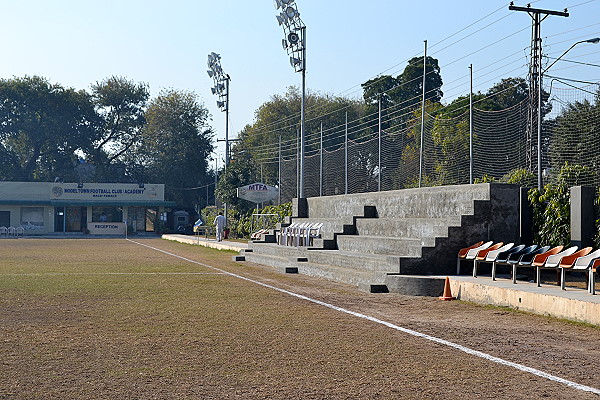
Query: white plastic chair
point(582, 264)
point(19, 231)
point(3, 231)
point(312, 233)
point(297, 233)
point(283, 235)
point(12, 232)
point(471, 254)
point(491, 256)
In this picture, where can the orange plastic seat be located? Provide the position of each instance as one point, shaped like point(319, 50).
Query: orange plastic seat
point(463, 252)
point(540, 259)
point(568, 261)
point(483, 253)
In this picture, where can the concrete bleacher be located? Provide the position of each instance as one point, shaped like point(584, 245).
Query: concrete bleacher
point(368, 238)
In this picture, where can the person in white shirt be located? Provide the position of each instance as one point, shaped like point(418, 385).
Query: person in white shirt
point(219, 225)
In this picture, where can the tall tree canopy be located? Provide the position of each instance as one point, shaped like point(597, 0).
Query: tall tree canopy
point(121, 104)
point(41, 127)
point(406, 89)
point(402, 94)
point(175, 145)
point(280, 117)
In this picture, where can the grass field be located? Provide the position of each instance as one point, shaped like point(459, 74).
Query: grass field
point(111, 319)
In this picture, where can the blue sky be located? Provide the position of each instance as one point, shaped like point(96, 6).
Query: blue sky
point(165, 43)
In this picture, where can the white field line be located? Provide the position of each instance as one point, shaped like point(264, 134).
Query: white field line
point(109, 273)
point(443, 342)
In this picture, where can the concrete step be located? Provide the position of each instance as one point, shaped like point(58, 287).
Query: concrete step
point(362, 279)
point(354, 260)
point(276, 250)
point(405, 247)
point(324, 208)
point(409, 227)
point(282, 264)
point(325, 244)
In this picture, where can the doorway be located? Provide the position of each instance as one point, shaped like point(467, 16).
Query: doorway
point(59, 219)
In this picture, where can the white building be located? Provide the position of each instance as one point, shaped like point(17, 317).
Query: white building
point(100, 208)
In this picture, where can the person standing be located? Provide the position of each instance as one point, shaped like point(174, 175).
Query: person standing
point(219, 225)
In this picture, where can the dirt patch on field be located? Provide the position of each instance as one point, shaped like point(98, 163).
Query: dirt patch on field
point(136, 323)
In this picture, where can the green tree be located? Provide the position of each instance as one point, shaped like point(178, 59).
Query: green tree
point(121, 104)
point(551, 206)
point(42, 125)
point(174, 147)
point(400, 95)
point(240, 172)
point(451, 129)
point(280, 117)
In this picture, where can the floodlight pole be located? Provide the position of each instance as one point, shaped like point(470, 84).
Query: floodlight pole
point(289, 19)
point(302, 109)
point(227, 121)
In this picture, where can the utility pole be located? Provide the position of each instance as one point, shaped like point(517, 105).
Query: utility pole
point(535, 81)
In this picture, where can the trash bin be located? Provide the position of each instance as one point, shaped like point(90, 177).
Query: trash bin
point(226, 233)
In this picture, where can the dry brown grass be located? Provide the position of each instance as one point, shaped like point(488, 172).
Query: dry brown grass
point(110, 319)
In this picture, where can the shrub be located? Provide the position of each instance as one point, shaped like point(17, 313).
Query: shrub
point(552, 208)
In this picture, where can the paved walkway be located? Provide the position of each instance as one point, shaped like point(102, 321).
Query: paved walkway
point(202, 241)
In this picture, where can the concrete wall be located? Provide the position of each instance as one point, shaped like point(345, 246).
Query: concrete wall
point(434, 202)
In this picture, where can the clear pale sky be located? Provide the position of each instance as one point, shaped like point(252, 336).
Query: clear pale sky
point(165, 43)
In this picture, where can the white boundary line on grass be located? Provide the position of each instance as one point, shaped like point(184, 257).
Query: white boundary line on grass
point(434, 339)
point(110, 273)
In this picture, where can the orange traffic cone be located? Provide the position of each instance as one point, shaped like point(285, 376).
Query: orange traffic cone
point(447, 292)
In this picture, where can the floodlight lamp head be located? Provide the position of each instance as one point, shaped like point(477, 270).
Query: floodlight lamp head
point(282, 19)
point(284, 44)
point(220, 104)
point(293, 38)
point(286, 2)
point(213, 90)
point(291, 12)
point(294, 62)
point(210, 73)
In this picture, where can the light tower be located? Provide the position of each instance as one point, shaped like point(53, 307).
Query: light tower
point(221, 90)
point(294, 42)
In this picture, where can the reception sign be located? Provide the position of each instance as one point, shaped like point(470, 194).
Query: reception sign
point(107, 228)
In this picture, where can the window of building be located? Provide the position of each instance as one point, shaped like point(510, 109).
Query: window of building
point(5, 218)
point(107, 214)
point(143, 217)
point(32, 218)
